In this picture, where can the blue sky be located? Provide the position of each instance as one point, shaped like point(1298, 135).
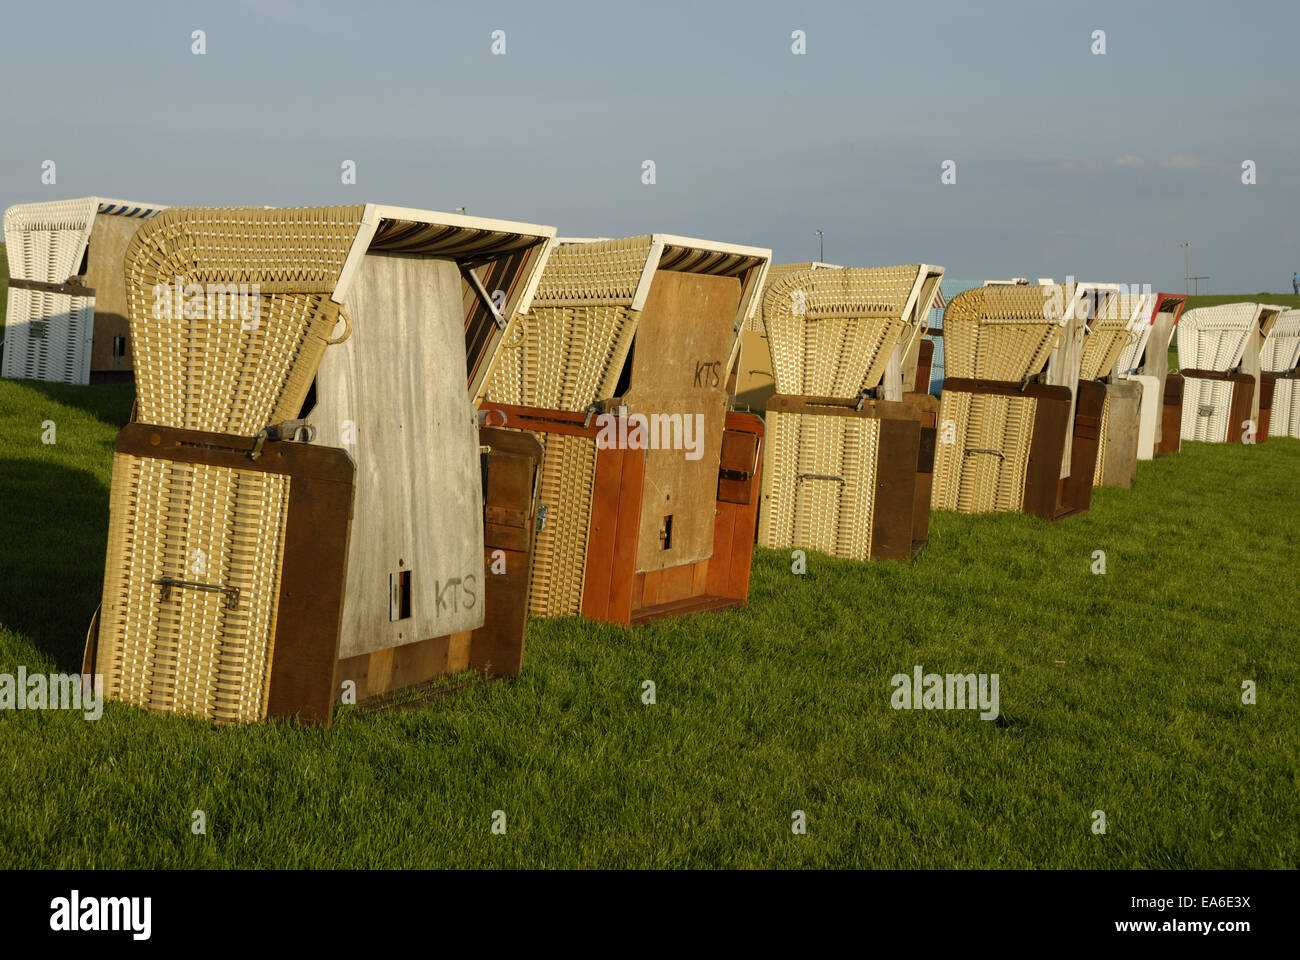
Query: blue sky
point(1067, 162)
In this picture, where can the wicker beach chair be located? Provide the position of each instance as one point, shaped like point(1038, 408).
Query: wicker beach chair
point(1002, 428)
point(642, 330)
point(1279, 414)
point(66, 318)
point(334, 346)
point(850, 439)
point(1219, 351)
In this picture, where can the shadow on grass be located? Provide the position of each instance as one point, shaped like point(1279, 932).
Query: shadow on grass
point(109, 403)
point(53, 534)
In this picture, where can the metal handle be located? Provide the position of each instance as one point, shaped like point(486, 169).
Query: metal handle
point(347, 327)
point(997, 453)
point(821, 476)
point(232, 593)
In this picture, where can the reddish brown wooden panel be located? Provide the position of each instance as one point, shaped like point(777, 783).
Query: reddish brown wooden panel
point(1171, 415)
point(1267, 386)
point(736, 525)
point(718, 579)
point(668, 585)
point(737, 472)
point(1242, 407)
point(603, 533)
point(612, 540)
point(497, 647)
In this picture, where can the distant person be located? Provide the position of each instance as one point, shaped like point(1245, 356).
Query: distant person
point(1295, 282)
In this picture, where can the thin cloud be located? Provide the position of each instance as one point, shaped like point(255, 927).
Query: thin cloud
point(1184, 162)
point(1129, 160)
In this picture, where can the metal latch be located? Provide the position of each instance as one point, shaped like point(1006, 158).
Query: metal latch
point(232, 593)
point(299, 431)
point(865, 395)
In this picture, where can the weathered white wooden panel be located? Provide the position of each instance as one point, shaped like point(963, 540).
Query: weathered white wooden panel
point(1063, 371)
point(393, 395)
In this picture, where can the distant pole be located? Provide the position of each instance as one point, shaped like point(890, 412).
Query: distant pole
point(1187, 247)
point(821, 247)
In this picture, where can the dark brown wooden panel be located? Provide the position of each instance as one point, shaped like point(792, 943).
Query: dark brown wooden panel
point(1075, 494)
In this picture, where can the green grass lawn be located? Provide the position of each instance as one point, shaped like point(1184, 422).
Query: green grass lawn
point(1277, 299)
point(1119, 693)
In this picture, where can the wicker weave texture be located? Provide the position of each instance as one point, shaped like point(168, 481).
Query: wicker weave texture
point(754, 322)
point(832, 332)
point(823, 484)
point(983, 468)
point(1099, 472)
point(1130, 358)
point(567, 352)
point(1213, 338)
point(1285, 418)
point(1281, 350)
point(1205, 409)
point(202, 366)
point(1110, 335)
point(565, 490)
point(563, 358)
point(194, 652)
point(1000, 333)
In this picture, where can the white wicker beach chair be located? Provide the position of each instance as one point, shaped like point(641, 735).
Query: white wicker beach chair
point(1279, 360)
point(66, 316)
point(1219, 357)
